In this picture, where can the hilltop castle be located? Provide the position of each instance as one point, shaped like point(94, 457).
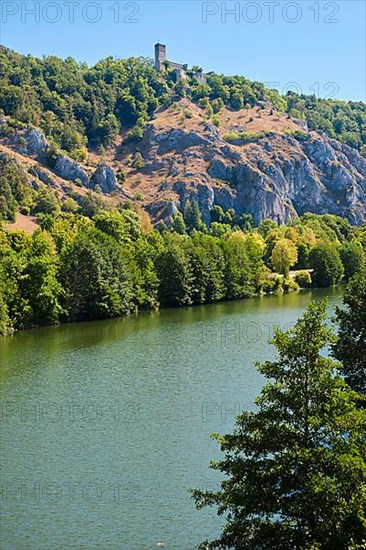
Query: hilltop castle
point(161, 64)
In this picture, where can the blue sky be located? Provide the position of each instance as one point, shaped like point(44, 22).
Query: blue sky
point(310, 46)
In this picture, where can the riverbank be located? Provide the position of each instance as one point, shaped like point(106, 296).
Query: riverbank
point(282, 286)
point(76, 268)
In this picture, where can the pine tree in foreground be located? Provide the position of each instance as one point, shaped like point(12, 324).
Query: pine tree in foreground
point(295, 468)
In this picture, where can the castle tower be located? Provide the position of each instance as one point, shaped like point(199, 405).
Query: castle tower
point(160, 57)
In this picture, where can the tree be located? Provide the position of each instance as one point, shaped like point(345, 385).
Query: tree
point(353, 258)
point(217, 214)
point(113, 224)
point(192, 216)
point(284, 255)
point(266, 226)
point(8, 204)
point(174, 274)
point(39, 284)
point(11, 99)
point(46, 202)
point(207, 262)
point(91, 204)
point(143, 275)
point(70, 206)
point(295, 468)
point(15, 306)
point(178, 224)
point(246, 222)
point(14, 187)
point(327, 265)
point(5, 325)
point(95, 276)
point(238, 276)
point(350, 347)
point(237, 101)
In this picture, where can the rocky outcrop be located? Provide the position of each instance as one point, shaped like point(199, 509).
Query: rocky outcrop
point(43, 176)
point(31, 141)
point(36, 142)
point(69, 169)
point(176, 139)
point(105, 178)
point(278, 176)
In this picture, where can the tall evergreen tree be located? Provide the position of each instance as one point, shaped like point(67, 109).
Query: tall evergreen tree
point(192, 216)
point(295, 468)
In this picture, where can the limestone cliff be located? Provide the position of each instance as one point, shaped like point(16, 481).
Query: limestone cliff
point(277, 174)
point(256, 162)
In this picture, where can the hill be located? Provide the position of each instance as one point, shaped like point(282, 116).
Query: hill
point(121, 132)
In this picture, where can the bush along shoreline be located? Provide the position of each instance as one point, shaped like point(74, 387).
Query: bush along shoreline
point(112, 263)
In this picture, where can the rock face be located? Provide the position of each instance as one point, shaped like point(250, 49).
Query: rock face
point(43, 176)
point(36, 143)
point(278, 176)
point(30, 141)
point(70, 170)
point(105, 178)
point(282, 173)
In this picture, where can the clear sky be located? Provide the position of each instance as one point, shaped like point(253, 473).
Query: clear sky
point(318, 46)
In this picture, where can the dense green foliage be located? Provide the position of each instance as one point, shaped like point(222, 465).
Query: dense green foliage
point(102, 263)
point(79, 106)
point(14, 188)
point(328, 267)
point(295, 467)
point(350, 347)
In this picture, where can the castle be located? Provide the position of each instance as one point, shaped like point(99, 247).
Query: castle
point(161, 63)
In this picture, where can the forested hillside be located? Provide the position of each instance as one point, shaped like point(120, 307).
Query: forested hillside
point(80, 106)
point(138, 191)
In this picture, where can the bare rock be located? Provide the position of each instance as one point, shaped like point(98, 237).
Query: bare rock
point(105, 178)
point(70, 170)
point(36, 142)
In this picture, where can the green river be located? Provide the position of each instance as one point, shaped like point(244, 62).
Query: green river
point(105, 426)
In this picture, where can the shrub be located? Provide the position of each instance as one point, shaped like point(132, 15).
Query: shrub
point(120, 177)
point(46, 203)
point(134, 135)
point(242, 138)
point(303, 279)
point(138, 162)
point(25, 210)
point(290, 285)
point(69, 206)
point(300, 135)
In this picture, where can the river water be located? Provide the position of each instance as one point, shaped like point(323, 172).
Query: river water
point(105, 426)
